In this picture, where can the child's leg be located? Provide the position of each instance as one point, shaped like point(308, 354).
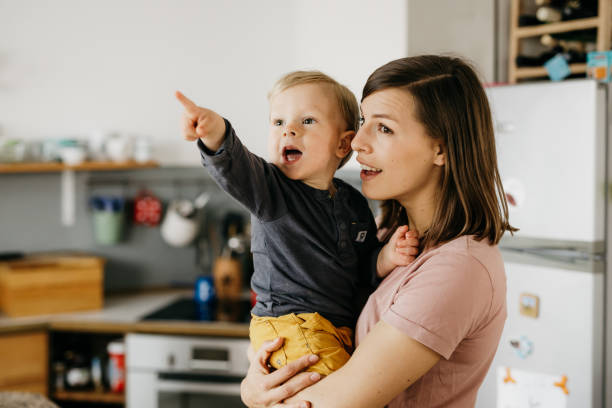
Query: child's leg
point(306, 333)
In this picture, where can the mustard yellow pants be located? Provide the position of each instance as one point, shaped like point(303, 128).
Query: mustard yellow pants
point(304, 333)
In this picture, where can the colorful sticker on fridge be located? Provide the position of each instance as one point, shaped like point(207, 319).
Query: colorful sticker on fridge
point(527, 389)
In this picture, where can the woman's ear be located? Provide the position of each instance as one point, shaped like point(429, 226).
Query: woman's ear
point(344, 143)
point(440, 155)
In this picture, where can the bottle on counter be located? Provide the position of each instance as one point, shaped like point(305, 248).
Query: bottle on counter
point(116, 365)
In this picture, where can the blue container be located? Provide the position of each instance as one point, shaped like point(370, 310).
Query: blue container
point(204, 292)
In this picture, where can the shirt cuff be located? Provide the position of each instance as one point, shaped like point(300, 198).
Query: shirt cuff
point(205, 151)
point(419, 333)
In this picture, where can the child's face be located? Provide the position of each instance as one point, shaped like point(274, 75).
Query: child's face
point(306, 128)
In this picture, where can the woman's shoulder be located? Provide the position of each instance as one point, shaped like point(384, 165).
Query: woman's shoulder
point(468, 246)
point(465, 255)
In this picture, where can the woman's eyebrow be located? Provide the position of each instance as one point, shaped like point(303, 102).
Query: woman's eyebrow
point(383, 116)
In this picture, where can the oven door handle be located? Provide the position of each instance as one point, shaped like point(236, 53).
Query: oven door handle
point(199, 387)
point(209, 365)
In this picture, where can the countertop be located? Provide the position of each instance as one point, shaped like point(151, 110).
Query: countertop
point(122, 314)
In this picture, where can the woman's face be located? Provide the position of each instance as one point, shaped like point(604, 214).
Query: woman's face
point(399, 160)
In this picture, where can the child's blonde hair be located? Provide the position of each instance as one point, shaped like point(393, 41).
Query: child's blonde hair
point(345, 98)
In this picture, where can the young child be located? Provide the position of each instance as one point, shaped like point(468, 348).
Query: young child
point(313, 236)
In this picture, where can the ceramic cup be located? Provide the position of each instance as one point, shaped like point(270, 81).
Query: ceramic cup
point(73, 155)
point(181, 224)
point(118, 148)
point(108, 219)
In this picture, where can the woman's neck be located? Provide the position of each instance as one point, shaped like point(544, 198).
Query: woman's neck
point(420, 213)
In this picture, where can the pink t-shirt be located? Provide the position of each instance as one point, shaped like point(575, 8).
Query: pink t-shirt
point(451, 299)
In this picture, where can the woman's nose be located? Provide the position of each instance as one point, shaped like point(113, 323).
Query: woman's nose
point(359, 142)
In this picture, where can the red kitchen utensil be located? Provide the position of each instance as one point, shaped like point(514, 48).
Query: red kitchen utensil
point(147, 209)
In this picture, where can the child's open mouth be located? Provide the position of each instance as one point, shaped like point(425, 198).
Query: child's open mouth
point(291, 154)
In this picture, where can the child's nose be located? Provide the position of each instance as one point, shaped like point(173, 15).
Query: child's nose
point(289, 131)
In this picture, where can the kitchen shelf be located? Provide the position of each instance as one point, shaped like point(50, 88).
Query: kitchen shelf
point(562, 27)
point(68, 195)
point(535, 72)
point(36, 167)
point(90, 396)
point(602, 23)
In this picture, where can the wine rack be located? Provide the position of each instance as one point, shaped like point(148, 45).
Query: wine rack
point(602, 23)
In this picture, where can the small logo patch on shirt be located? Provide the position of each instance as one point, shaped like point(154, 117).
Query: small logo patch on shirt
point(361, 236)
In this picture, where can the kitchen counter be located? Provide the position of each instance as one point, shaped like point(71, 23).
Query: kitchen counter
point(122, 313)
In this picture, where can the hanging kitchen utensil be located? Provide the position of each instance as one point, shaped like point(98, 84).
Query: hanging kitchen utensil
point(147, 209)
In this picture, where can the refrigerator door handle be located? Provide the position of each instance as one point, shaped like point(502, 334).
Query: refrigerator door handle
point(569, 255)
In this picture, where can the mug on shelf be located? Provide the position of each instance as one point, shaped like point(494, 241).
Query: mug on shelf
point(118, 147)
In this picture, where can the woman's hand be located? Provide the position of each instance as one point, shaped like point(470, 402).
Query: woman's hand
point(262, 389)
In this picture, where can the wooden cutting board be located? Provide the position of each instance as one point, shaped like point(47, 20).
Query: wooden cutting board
point(47, 284)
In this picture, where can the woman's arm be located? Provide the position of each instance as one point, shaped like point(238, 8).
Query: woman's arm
point(385, 363)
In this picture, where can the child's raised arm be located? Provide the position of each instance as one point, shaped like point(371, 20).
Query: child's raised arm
point(201, 123)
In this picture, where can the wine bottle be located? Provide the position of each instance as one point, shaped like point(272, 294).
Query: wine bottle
point(528, 20)
point(553, 11)
point(574, 9)
point(547, 14)
point(549, 41)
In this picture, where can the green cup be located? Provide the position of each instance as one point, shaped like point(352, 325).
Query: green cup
point(108, 226)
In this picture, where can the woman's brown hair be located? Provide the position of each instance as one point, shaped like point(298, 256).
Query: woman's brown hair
point(452, 105)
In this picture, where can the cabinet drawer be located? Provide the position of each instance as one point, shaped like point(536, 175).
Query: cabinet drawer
point(24, 361)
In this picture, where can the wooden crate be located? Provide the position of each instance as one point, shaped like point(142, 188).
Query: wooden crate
point(47, 284)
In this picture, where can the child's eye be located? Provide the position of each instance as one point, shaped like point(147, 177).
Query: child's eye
point(384, 129)
point(361, 120)
point(277, 122)
point(309, 121)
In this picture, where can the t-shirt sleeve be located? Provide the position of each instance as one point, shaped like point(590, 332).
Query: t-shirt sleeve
point(247, 177)
point(443, 302)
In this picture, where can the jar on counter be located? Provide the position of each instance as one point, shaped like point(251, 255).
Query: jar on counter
point(116, 365)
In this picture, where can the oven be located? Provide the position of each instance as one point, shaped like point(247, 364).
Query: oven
point(184, 372)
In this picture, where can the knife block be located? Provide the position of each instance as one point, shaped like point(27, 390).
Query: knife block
point(227, 275)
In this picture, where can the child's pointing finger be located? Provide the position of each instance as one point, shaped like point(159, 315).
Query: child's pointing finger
point(186, 102)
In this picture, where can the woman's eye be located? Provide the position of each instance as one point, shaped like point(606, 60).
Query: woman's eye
point(361, 120)
point(384, 129)
point(309, 121)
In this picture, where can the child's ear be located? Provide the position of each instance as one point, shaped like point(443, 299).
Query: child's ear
point(344, 143)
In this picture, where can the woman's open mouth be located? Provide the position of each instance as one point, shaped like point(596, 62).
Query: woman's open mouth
point(368, 173)
point(291, 155)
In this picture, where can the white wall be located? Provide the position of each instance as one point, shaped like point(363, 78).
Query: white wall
point(465, 28)
point(68, 67)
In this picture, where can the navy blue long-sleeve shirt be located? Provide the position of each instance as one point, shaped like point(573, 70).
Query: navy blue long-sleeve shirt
point(312, 252)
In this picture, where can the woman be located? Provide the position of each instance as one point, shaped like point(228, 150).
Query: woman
point(428, 334)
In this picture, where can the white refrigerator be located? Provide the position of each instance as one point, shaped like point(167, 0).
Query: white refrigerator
point(551, 141)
